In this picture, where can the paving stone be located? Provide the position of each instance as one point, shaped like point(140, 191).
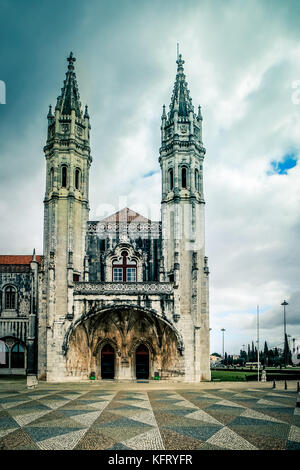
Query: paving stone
point(98, 416)
point(174, 441)
point(228, 439)
point(150, 440)
point(94, 439)
point(17, 440)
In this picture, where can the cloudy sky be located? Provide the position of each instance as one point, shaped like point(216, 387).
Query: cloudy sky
point(242, 62)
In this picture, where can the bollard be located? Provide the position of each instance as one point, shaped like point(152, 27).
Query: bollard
point(285, 385)
point(298, 387)
point(274, 384)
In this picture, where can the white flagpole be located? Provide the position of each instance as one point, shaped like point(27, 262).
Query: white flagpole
point(258, 343)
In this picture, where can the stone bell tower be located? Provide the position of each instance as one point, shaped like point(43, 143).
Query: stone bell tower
point(66, 203)
point(184, 261)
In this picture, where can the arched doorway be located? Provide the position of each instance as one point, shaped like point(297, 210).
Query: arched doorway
point(107, 362)
point(18, 357)
point(142, 362)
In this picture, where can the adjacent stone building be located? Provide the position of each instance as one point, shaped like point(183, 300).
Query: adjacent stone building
point(120, 298)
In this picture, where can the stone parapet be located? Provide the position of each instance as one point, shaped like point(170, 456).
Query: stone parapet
point(132, 229)
point(123, 288)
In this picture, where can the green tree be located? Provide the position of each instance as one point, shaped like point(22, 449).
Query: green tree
point(216, 354)
point(266, 354)
point(226, 359)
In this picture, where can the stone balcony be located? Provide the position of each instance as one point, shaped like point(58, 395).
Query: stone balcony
point(130, 288)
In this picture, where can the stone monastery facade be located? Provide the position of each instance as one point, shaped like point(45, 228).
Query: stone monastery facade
point(122, 298)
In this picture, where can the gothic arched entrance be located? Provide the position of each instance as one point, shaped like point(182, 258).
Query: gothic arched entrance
point(107, 362)
point(142, 362)
point(123, 342)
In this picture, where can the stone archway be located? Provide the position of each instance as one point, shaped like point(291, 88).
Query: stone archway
point(125, 329)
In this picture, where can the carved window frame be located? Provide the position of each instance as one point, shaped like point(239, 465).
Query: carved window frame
point(115, 259)
point(64, 175)
point(13, 290)
point(78, 179)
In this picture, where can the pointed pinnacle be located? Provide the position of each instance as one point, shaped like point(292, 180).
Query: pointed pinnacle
point(50, 115)
point(86, 114)
point(199, 114)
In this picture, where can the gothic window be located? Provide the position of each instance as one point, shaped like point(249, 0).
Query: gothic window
point(4, 355)
point(197, 180)
point(17, 357)
point(64, 173)
point(183, 177)
point(124, 271)
point(77, 178)
point(171, 179)
point(10, 298)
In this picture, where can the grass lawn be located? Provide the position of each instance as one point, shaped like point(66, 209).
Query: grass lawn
point(230, 376)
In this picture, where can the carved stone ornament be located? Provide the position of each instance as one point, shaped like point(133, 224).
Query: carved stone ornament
point(126, 288)
point(65, 128)
point(183, 128)
point(79, 130)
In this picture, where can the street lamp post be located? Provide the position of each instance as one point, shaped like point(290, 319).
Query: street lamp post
point(284, 304)
point(223, 329)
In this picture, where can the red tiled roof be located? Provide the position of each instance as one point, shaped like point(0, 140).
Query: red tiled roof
point(18, 259)
point(125, 215)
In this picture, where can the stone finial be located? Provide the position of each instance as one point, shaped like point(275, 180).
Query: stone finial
point(71, 59)
point(180, 63)
point(199, 114)
point(86, 113)
point(50, 115)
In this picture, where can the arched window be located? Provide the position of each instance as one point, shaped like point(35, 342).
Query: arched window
point(51, 177)
point(64, 174)
point(77, 178)
point(171, 179)
point(4, 355)
point(125, 271)
point(183, 177)
point(197, 180)
point(10, 298)
point(17, 357)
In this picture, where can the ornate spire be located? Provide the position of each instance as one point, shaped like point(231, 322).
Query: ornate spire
point(69, 98)
point(180, 100)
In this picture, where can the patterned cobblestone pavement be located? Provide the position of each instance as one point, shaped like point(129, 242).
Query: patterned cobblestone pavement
point(64, 416)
